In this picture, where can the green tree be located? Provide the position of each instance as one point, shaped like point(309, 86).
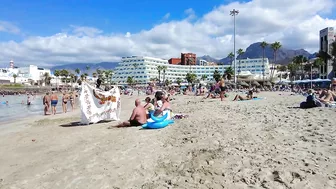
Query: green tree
point(46, 78)
point(168, 82)
point(204, 77)
point(231, 56)
point(14, 76)
point(191, 78)
point(292, 68)
point(239, 52)
point(77, 71)
point(263, 45)
point(216, 75)
point(179, 81)
point(164, 69)
point(275, 46)
point(130, 80)
point(56, 74)
point(229, 72)
point(282, 68)
point(159, 69)
point(300, 60)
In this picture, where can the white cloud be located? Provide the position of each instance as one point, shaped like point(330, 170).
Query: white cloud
point(166, 16)
point(295, 24)
point(8, 27)
point(85, 31)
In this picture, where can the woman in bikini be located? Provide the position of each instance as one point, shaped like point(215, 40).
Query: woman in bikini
point(65, 99)
point(72, 101)
point(149, 107)
point(222, 88)
point(248, 97)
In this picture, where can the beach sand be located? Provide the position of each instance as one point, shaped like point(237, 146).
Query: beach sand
point(264, 143)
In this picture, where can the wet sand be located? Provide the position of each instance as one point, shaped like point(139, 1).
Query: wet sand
point(264, 143)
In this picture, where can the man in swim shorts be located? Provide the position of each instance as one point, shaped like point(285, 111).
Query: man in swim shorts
point(53, 100)
point(137, 118)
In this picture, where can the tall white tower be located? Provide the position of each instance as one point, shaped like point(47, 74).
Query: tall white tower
point(11, 64)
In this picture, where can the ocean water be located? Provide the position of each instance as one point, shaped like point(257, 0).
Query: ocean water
point(15, 109)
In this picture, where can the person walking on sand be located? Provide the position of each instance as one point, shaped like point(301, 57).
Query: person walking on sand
point(53, 100)
point(46, 103)
point(222, 88)
point(137, 118)
point(65, 99)
point(72, 100)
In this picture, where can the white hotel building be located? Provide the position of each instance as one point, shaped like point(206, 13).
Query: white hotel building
point(24, 74)
point(143, 69)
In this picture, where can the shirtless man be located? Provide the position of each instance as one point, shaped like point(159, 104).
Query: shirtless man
point(326, 96)
point(137, 118)
point(46, 103)
point(53, 100)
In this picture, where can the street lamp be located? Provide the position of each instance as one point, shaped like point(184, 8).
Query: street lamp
point(233, 13)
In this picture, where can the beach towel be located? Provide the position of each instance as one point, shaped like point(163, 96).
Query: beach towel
point(97, 105)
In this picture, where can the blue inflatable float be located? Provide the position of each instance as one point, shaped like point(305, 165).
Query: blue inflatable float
point(158, 122)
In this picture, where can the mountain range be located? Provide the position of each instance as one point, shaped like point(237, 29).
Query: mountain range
point(284, 56)
point(82, 66)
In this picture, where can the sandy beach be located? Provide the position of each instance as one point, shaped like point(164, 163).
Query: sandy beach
point(266, 143)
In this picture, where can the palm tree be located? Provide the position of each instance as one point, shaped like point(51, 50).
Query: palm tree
point(94, 74)
point(318, 62)
point(179, 81)
point(216, 75)
point(14, 76)
point(46, 76)
point(239, 52)
point(164, 69)
point(325, 57)
point(204, 77)
point(191, 78)
point(300, 60)
point(56, 74)
point(231, 56)
point(263, 45)
point(77, 71)
point(72, 78)
point(87, 67)
point(130, 80)
point(229, 72)
point(159, 69)
point(292, 68)
point(275, 46)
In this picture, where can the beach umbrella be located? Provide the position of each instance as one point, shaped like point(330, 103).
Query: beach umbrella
point(256, 83)
point(243, 83)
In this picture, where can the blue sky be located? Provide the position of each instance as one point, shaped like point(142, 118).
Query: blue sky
point(49, 32)
point(47, 17)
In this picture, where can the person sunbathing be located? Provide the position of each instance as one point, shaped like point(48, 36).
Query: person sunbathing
point(137, 118)
point(326, 96)
point(248, 97)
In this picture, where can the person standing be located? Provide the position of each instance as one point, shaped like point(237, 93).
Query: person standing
point(54, 101)
point(46, 103)
point(222, 88)
point(65, 99)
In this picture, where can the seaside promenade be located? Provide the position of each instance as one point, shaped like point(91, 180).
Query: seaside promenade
point(266, 143)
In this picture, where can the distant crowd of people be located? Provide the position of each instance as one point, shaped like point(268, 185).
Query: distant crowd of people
point(50, 101)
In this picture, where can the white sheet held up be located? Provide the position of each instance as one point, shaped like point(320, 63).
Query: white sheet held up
point(98, 105)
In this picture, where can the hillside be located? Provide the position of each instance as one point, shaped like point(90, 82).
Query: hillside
point(82, 66)
point(284, 55)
